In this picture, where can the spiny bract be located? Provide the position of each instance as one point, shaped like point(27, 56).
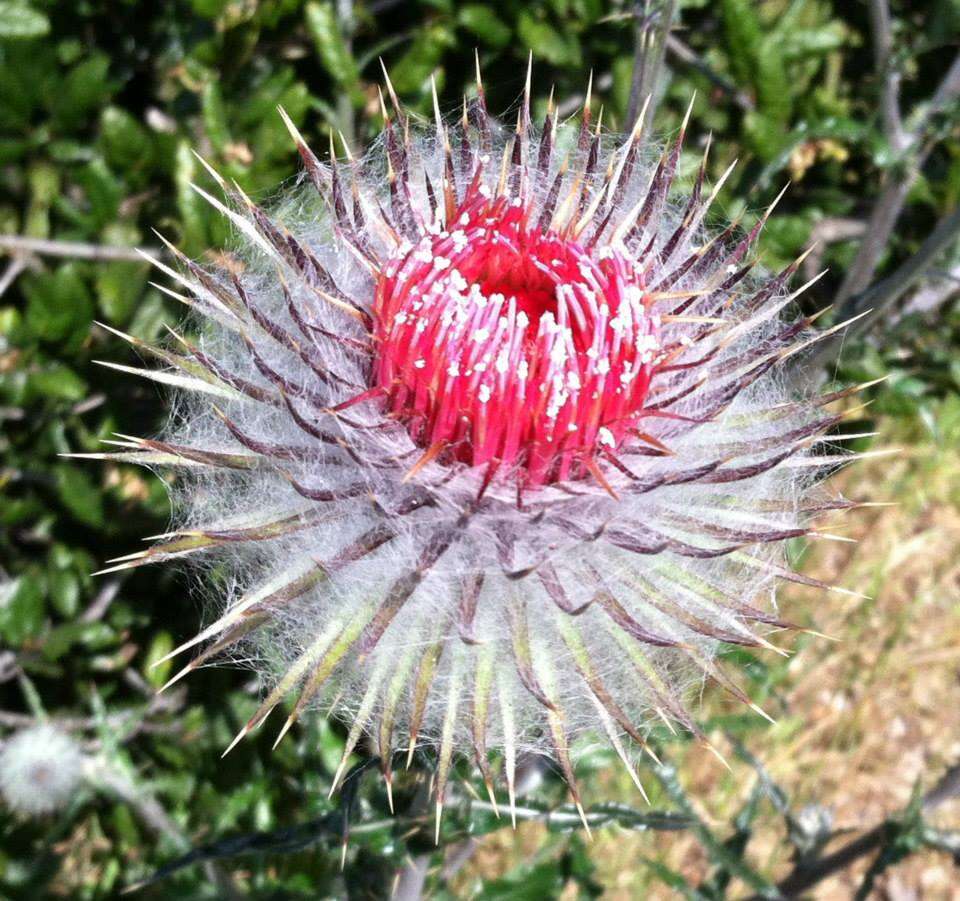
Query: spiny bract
point(485, 434)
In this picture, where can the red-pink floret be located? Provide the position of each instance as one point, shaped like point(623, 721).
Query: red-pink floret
point(504, 343)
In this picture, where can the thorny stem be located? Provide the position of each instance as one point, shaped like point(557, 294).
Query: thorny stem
point(806, 875)
point(153, 815)
point(412, 879)
point(654, 19)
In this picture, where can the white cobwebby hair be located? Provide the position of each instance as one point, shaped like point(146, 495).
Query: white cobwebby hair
point(422, 599)
point(41, 768)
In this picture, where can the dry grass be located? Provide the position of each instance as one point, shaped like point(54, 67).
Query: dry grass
point(862, 719)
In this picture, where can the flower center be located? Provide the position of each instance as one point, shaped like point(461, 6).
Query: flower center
point(504, 343)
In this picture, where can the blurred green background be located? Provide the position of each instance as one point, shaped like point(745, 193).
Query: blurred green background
point(101, 104)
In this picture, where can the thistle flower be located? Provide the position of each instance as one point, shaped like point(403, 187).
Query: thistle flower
point(40, 770)
point(485, 434)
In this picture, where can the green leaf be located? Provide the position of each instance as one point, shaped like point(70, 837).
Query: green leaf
point(104, 193)
point(324, 28)
point(119, 286)
point(81, 92)
point(215, 116)
point(526, 883)
point(59, 307)
point(412, 73)
point(79, 495)
point(757, 60)
point(548, 43)
point(64, 591)
point(161, 645)
point(56, 382)
point(18, 21)
point(483, 22)
point(21, 609)
point(126, 144)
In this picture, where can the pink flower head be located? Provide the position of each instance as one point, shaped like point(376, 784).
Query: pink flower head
point(487, 435)
point(507, 344)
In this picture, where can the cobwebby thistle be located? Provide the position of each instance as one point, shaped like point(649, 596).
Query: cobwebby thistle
point(41, 768)
point(486, 433)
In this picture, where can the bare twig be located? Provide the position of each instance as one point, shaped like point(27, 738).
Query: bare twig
point(88, 404)
point(101, 603)
point(887, 72)
point(412, 879)
point(879, 298)
point(883, 295)
point(9, 667)
point(688, 56)
point(138, 718)
point(19, 246)
point(654, 19)
point(940, 287)
point(912, 149)
point(947, 91)
point(14, 268)
point(830, 230)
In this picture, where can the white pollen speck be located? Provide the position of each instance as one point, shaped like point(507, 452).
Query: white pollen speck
point(603, 366)
point(605, 436)
point(441, 263)
point(484, 393)
point(419, 364)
